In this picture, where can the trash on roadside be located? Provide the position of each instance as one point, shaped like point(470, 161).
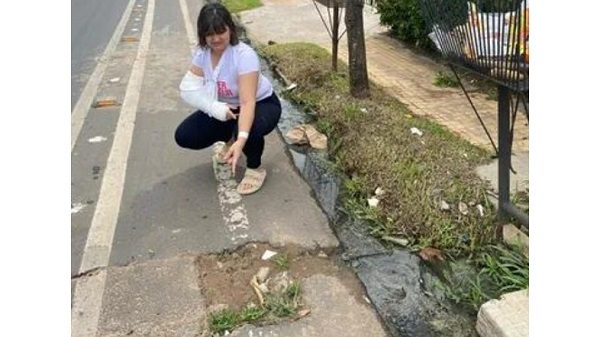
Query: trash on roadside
point(97, 139)
point(430, 254)
point(268, 254)
point(75, 208)
point(307, 134)
point(416, 131)
point(400, 241)
point(373, 202)
point(480, 209)
point(256, 286)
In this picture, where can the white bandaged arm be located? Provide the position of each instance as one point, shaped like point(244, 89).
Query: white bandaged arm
point(192, 91)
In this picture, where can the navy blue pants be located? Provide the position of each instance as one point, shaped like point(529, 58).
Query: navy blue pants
point(199, 130)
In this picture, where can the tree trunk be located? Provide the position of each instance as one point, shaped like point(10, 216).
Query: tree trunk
point(357, 55)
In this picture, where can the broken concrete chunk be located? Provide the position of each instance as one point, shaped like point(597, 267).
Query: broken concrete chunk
point(268, 254)
point(262, 274)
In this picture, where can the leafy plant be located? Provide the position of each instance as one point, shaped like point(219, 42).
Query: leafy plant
point(252, 313)
point(223, 320)
point(286, 303)
point(501, 270)
point(445, 80)
point(283, 261)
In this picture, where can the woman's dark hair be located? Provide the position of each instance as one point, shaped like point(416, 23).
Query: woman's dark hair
point(214, 18)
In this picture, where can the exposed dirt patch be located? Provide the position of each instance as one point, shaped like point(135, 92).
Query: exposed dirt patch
point(226, 277)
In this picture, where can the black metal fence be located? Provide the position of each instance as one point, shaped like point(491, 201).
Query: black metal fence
point(490, 37)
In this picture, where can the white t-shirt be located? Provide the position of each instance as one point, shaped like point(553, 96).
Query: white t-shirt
point(236, 60)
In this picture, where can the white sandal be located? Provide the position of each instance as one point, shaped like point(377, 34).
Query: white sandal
point(252, 181)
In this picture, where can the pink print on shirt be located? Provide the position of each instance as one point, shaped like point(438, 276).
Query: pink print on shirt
point(223, 90)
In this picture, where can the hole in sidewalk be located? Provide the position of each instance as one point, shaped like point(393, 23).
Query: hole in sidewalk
point(226, 282)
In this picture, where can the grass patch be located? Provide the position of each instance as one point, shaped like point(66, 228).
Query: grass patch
point(372, 145)
point(224, 320)
point(236, 6)
point(286, 303)
point(278, 306)
point(445, 80)
point(496, 271)
point(283, 262)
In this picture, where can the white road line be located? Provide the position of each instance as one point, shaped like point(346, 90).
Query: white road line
point(84, 102)
point(87, 301)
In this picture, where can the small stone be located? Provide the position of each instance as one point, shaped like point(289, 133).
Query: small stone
point(303, 312)
point(262, 274)
point(463, 208)
point(268, 254)
point(379, 191)
point(444, 206)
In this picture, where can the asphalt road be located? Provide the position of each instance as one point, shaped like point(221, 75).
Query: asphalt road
point(92, 26)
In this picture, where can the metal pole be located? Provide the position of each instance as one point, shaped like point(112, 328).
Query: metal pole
point(505, 207)
point(503, 150)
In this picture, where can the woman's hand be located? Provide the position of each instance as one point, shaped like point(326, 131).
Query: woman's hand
point(230, 115)
point(235, 151)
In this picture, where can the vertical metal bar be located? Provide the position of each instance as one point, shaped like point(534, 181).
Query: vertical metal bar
point(334, 36)
point(503, 151)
